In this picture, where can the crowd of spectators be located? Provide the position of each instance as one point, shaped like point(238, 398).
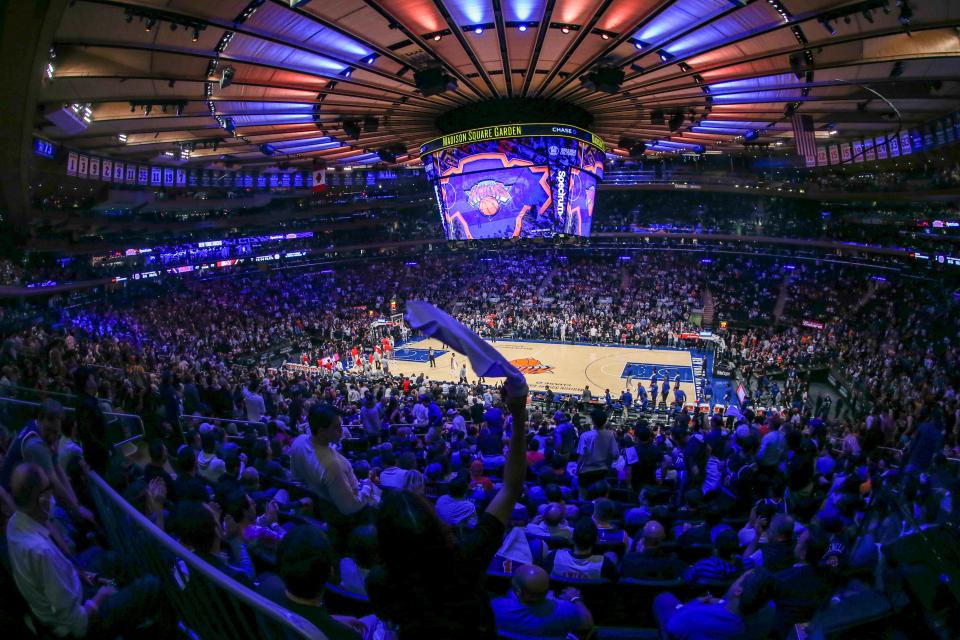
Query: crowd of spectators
point(421, 498)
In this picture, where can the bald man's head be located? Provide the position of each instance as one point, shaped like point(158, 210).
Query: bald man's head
point(653, 534)
point(554, 514)
point(531, 583)
point(31, 490)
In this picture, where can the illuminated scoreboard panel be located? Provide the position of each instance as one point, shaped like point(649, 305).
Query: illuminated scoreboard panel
point(515, 180)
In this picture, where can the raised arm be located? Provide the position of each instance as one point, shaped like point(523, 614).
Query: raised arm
point(515, 469)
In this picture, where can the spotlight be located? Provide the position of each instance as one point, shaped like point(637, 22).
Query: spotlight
point(565, 30)
point(371, 59)
point(478, 31)
point(196, 34)
point(638, 45)
point(436, 37)
point(122, 137)
point(905, 12)
point(605, 36)
point(665, 56)
point(522, 28)
point(149, 24)
point(347, 72)
point(226, 77)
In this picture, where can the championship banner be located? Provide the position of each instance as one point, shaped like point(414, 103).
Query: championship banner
point(94, 169)
point(857, 151)
point(905, 147)
point(72, 163)
point(845, 152)
point(821, 156)
point(881, 146)
point(834, 154)
point(106, 170)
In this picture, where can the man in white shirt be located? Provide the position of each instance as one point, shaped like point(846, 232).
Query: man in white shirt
point(323, 469)
point(253, 402)
point(51, 584)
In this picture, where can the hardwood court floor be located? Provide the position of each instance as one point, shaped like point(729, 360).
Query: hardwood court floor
point(566, 367)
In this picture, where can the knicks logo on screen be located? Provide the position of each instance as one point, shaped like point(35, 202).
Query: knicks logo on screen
point(487, 195)
point(531, 366)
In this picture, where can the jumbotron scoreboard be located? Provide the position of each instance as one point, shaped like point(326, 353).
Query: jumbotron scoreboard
point(518, 180)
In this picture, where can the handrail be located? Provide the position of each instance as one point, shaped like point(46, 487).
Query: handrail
point(281, 619)
point(137, 420)
point(188, 416)
point(42, 392)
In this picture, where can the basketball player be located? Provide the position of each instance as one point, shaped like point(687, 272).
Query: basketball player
point(463, 373)
point(629, 383)
point(453, 361)
point(653, 392)
point(664, 390)
point(431, 357)
point(641, 396)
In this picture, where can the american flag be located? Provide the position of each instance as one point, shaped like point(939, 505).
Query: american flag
point(804, 138)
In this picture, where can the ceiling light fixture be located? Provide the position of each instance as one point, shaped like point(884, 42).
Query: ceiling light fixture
point(436, 37)
point(478, 31)
point(522, 28)
point(564, 29)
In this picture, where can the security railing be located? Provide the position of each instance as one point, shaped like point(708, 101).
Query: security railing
point(207, 603)
point(123, 429)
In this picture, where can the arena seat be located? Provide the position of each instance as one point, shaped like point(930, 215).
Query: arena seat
point(343, 602)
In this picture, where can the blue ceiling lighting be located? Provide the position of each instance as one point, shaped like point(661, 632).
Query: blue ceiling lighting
point(763, 82)
point(521, 10)
point(679, 17)
point(272, 118)
point(717, 131)
point(299, 142)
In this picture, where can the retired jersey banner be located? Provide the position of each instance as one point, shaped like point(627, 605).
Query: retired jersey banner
point(143, 175)
point(905, 147)
point(834, 154)
point(881, 146)
point(117, 171)
point(168, 177)
point(156, 177)
point(94, 168)
point(845, 152)
point(106, 170)
point(894, 144)
point(72, 163)
point(868, 152)
point(821, 156)
point(181, 180)
point(857, 151)
point(130, 174)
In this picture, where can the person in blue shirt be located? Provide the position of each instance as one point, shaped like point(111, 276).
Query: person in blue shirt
point(626, 398)
point(745, 611)
point(642, 396)
point(664, 390)
point(607, 397)
point(679, 396)
point(653, 393)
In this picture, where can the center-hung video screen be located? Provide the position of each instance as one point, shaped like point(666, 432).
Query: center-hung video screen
point(524, 186)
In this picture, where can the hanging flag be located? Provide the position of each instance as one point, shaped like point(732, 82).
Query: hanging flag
point(804, 139)
point(319, 181)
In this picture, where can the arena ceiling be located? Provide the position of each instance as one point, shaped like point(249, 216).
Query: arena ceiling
point(702, 72)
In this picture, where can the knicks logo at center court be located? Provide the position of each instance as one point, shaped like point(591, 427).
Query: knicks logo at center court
point(487, 196)
point(531, 365)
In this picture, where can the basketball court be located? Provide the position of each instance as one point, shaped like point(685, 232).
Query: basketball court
point(566, 367)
